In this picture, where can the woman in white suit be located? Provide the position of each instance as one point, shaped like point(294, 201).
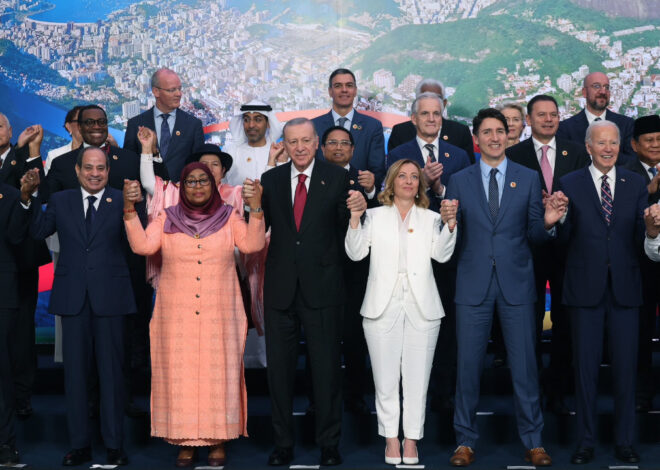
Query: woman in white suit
point(401, 308)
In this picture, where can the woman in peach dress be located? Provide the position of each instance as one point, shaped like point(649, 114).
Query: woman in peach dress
point(198, 328)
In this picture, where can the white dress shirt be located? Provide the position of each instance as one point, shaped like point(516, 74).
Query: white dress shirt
point(597, 176)
point(294, 179)
point(85, 194)
point(158, 121)
point(349, 116)
point(592, 117)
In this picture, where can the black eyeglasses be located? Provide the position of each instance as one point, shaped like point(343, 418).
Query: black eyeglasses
point(193, 183)
point(99, 122)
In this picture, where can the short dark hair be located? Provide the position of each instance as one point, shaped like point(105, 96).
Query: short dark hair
point(83, 150)
point(340, 72)
point(537, 98)
point(488, 113)
point(336, 128)
point(72, 114)
point(85, 108)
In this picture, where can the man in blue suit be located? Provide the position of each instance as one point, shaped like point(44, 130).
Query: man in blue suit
point(604, 229)
point(596, 91)
point(369, 151)
point(92, 292)
point(500, 213)
point(179, 133)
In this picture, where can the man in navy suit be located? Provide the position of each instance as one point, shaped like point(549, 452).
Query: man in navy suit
point(453, 132)
point(92, 292)
point(439, 161)
point(369, 151)
point(646, 143)
point(179, 133)
point(596, 91)
point(499, 214)
point(604, 230)
point(551, 157)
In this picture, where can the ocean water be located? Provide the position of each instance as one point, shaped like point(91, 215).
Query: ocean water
point(81, 11)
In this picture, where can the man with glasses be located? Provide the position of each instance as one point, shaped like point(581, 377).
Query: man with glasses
point(179, 134)
point(596, 91)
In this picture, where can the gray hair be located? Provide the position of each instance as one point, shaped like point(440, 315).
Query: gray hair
point(427, 95)
point(4, 116)
point(597, 124)
point(512, 105)
point(297, 122)
point(155, 78)
point(430, 82)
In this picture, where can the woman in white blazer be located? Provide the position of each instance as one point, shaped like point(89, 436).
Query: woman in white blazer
point(401, 308)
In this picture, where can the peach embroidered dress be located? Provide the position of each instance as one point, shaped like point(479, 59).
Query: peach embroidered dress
point(198, 331)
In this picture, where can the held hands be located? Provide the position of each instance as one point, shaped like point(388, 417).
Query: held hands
point(448, 211)
point(652, 220)
point(148, 140)
point(252, 191)
point(357, 205)
point(367, 180)
point(556, 206)
point(33, 136)
point(132, 194)
point(29, 184)
point(432, 172)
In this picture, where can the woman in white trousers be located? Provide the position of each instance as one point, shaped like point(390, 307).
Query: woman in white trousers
point(401, 309)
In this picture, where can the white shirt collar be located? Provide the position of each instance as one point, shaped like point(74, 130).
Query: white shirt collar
point(98, 195)
point(307, 171)
point(537, 145)
point(4, 155)
point(158, 112)
point(349, 116)
point(592, 117)
point(597, 175)
point(421, 142)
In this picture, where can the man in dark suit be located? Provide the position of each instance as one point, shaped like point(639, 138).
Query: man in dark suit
point(551, 157)
point(369, 153)
point(14, 162)
point(179, 133)
point(452, 132)
point(337, 145)
point(439, 160)
point(604, 231)
point(500, 214)
point(646, 143)
point(305, 204)
point(596, 91)
point(93, 294)
point(13, 228)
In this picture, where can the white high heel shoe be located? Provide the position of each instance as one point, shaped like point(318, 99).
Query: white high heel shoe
point(391, 460)
point(411, 460)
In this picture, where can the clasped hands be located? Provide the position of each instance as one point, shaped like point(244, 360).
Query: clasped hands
point(148, 140)
point(251, 193)
point(29, 184)
point(652, 220)
point(448, 212)
point(556, 205)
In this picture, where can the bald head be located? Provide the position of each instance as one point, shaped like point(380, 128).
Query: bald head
point(596, 90)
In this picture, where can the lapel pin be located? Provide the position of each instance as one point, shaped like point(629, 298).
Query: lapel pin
point(351, 182)
point(410, 230)
point(1, 196)
point(115, 157)
point(446, 154)
point(322, 182)
point(623, 180)
point(249, 159)
point(13, 162)
point(444, 137)
point(564, 153)
point(357, 127)
point(108, 199)
point(178, 132)
point(513, 184)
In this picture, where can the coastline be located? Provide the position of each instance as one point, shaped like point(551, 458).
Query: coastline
point(50, 6)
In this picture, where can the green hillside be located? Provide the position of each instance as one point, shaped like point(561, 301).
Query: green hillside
point(21, 63)
point(467, 54)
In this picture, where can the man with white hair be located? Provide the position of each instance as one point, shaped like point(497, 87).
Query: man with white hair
point(604, 229)
point(253, 132)
point(451, 132)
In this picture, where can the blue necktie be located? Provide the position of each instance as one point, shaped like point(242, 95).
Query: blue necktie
point(165, 135)
point(430, 148)
point(606, 200)
point(654, 171)
point(91, 214)
point(341, 122)
point(493, 195)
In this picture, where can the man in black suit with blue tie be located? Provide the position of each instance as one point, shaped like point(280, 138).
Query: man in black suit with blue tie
point(92, 293)
point(179, 134)
point(369, 148)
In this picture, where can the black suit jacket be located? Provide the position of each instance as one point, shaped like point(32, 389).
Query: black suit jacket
point(187, 137)
point(636, 166)
point(452, 132)
point(14, 166)
point(570, 156)
point(312, 257)
point(575, 129)
point(13, 228)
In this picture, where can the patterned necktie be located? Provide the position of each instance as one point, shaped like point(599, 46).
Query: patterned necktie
point(493, 195)
point(606, 200)
point(546, 169)
point(165, 135)
point(430, 148)
point(342, 121)
point(653, 170)
point(597, 119)
point(91, 214)
point(299, 200)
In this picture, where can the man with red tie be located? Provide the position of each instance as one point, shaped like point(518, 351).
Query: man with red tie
point(306, 204)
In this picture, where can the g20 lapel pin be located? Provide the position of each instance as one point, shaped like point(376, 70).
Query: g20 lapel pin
point(108, 200)
point(178, 132)
point(513, 184)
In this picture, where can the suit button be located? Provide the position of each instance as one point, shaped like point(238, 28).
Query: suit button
point(87, 250)
point(197, 312)
point(199, 246)
point(297, 242)
point(197, 295)
point(199, 278)
point(199, 261)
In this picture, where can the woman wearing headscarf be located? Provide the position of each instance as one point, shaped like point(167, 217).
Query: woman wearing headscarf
point(198, 328)
point(401, 309)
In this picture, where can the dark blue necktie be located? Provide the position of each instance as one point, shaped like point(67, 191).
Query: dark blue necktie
point(606, 200)
point(91, 214)
point(654, 171)
point(493, 195)
point(165, 135)
point(431, 148)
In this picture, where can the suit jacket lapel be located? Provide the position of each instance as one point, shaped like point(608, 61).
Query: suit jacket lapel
point(285, 195)
point(151, 119)
point(590, 187)
point(562, 163)
point(315, 195)
point(510, 187)
point(101, 214)
point(78, 210)
point(475, 173)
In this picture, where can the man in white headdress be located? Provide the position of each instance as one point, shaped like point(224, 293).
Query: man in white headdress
point(253, 131)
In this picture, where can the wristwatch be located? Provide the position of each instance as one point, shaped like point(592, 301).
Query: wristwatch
point(246, 208)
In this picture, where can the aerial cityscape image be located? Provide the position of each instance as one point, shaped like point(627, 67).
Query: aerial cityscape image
point(55, 54)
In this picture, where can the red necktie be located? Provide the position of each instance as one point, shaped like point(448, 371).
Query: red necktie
point(299, 200)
